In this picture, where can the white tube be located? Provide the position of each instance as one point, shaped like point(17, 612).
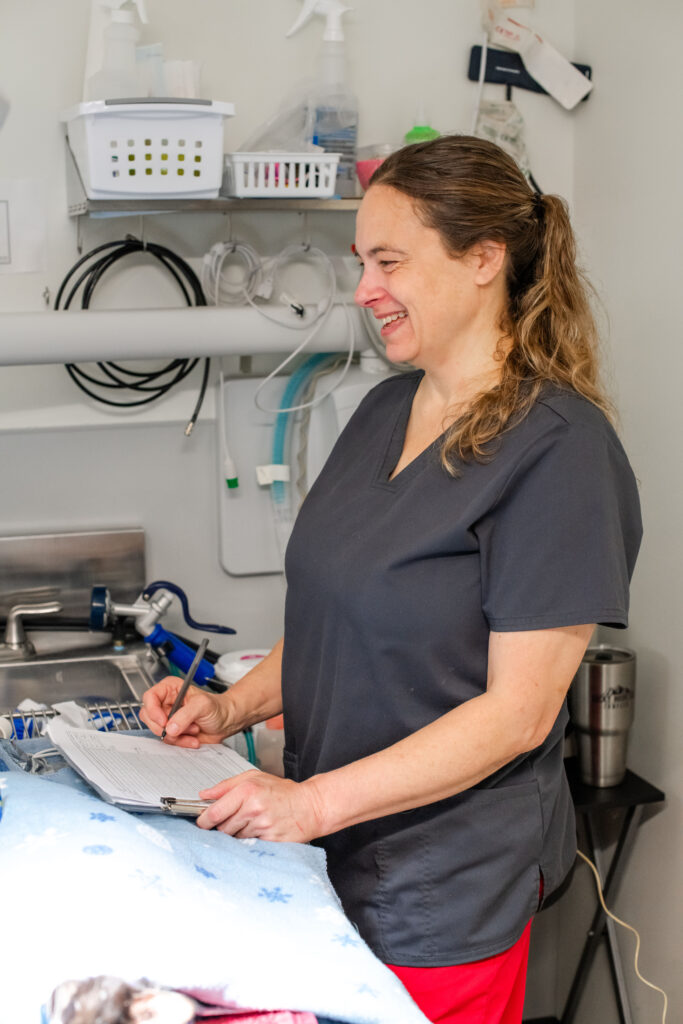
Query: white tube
point(100, 335)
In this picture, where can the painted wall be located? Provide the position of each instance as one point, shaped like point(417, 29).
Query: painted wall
point(64, 462)
point(398, 56)
point(629, 211)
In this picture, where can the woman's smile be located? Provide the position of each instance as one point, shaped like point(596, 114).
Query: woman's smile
point(391, 320)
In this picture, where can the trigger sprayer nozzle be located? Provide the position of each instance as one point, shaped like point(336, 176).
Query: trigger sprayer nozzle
point(331, 10)
point(116, 5)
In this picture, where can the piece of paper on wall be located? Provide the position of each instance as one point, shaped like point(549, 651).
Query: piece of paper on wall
point(23, 225)
point(555, 73)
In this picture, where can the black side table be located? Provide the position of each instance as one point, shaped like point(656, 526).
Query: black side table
point(631, 795)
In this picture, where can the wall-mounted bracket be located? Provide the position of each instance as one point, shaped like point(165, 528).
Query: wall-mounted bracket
point(504, 67)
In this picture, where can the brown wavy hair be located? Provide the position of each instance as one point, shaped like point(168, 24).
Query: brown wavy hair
point(471, 191)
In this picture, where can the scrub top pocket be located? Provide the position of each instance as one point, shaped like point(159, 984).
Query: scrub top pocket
point(472, 858)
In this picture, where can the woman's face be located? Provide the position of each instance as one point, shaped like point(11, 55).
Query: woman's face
point(425, 299)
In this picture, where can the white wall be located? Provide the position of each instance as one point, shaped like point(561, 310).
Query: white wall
point(120, 470)
point(628, 158)
point(397, 56)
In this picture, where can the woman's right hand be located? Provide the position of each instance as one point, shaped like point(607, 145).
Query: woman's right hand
point(203, 718)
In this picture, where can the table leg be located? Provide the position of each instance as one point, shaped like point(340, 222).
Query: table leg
point(601, 923)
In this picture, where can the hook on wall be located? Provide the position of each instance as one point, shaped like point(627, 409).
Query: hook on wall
point(306, 239)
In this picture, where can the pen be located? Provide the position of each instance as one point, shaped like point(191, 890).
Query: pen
point(186, 682)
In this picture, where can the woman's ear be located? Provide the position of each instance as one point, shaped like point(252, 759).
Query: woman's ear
point(489, 260)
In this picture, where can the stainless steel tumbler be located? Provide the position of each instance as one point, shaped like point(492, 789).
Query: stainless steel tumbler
point(601, 705)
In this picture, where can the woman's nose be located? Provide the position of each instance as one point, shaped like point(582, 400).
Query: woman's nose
point(368, 290)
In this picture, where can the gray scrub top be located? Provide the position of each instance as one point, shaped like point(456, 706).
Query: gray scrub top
point(393, 588)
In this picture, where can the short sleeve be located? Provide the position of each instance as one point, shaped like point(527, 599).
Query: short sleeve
point(559, 545)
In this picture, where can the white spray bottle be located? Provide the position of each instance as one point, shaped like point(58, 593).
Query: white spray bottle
point(113, 37)
point(336, 107)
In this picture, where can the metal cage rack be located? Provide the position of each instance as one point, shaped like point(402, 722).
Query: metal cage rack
point(110, 716)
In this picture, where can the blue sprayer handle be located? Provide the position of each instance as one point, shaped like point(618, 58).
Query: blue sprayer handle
point(180, 654)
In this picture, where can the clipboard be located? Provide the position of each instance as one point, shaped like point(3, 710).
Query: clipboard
point(136, 771)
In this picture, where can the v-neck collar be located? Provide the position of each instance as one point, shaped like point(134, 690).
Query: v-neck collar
point(396, 441)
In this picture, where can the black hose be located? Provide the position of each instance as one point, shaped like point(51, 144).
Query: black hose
point(141, 387)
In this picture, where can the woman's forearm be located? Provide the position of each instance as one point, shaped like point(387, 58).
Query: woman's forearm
point(529, 674)
point(258, 695)
point(445, 757)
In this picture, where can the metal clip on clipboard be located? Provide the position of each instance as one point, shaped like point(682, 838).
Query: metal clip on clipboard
point(184, 808)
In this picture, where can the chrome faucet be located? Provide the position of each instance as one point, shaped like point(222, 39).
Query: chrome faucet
point(16, 644)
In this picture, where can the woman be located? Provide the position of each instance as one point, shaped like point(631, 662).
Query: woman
point(475, 520)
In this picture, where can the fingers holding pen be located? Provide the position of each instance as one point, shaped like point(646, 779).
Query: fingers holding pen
point(202, 718)
point(156, 705)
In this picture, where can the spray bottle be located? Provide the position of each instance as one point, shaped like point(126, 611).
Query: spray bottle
point(336, 108)
point(117, 77)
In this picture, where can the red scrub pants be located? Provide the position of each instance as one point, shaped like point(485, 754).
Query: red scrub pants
point(487, 991)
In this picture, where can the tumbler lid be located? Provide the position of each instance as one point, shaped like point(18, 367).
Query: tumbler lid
point(603, 654)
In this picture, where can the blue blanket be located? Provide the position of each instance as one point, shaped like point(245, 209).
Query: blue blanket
point(89, 889)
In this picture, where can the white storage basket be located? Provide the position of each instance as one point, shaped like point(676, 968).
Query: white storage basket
point(146, 149)
point(281, 175)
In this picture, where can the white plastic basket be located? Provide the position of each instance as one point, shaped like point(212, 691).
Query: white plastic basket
point(281, 175)
point(144, 149)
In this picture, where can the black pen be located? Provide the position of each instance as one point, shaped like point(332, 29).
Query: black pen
point(186, 682)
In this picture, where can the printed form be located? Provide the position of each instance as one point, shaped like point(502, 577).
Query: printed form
point(137, 771)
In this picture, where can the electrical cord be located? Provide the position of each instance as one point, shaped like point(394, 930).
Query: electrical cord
point(220, 290)
point(152, 384)
point(324, 309)
point(259, 283)
point(278, 369)
point(623, 924)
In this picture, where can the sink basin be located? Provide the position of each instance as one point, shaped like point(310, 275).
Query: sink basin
point(87, 675)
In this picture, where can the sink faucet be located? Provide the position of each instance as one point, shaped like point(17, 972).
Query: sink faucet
point(16, 645)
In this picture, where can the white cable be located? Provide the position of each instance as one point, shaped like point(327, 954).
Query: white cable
point(221, 291)
point(623, 924)
point(480, 85)
point(325, 308)
point(288, 254)
point(259, 281)
point(229, 468)
point(321, 398)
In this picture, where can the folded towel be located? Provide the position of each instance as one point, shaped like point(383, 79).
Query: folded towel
point(237, 922)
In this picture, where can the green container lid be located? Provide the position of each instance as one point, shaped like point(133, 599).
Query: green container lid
point(420, 133)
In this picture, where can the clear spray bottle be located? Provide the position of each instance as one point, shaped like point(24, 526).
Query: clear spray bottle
point(116, 25)
point(335, 122)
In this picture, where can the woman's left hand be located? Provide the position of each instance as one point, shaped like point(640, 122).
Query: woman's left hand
point(255, 805)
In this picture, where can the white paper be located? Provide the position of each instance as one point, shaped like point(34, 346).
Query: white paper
point(23, 225)
point(555, 73)
point(140, 770)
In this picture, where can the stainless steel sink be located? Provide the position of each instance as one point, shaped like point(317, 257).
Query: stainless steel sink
point(87, 675)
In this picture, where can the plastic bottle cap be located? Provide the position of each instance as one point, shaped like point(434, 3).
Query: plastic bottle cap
point(421, 133)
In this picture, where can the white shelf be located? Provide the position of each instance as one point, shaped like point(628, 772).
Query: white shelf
point(79, 204)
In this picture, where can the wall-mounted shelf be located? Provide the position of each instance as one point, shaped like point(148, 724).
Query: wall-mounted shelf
point(138, 207)
point(79, 204)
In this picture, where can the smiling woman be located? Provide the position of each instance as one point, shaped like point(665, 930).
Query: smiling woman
point(474, 521)
point(473, 198)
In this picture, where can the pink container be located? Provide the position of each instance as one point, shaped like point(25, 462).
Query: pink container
point(366, 168)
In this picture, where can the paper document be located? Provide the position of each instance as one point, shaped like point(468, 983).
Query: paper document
point(137, 771)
